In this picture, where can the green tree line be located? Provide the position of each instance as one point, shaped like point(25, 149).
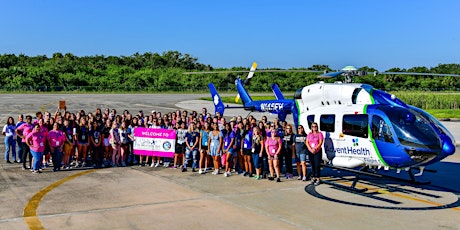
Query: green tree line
point(153, 72)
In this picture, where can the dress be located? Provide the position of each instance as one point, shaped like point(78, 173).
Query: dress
point(214, 148)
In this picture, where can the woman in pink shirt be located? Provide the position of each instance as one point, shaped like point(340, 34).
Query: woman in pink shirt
point(273, 148)
point(314, 142)
point(36, 142)
point(56, 139)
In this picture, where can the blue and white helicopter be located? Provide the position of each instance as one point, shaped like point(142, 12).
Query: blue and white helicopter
point(363, 126)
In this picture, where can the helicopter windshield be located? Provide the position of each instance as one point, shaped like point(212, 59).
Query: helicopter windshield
point(435, 121)
point(411, 129)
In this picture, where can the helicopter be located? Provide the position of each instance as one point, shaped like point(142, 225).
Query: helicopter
point(364, 127)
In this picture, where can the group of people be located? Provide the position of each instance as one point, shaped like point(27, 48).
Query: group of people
point(258, 149)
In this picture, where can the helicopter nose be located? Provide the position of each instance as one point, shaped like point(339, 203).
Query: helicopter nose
point(448, 147)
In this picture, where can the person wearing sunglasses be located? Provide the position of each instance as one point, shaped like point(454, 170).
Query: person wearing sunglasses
point(314, 142)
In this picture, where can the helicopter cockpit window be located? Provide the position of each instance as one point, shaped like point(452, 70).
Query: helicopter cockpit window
point(412, 129)
point(327, 122)
point(380, 130)
point(310, 119)
point(355, 125)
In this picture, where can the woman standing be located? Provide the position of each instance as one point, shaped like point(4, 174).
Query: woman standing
point(191, 141)
point(10, 140)
point(288, 151)
point(257, 150)
point(82, 142)
point(215, 143)
point(273, 148)
point(36, 142)
point(247, 146)
point(227, 147)
point(115, 142)
point(123, 130)
point(204, 133)
point(314, 142)
point(300, 140)
point(107, 158)
point(56, 139)
point(95, 142)
point(68, 145)
point(180, 143)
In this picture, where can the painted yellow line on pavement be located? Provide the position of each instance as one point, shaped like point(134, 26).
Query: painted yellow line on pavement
point(30, 211)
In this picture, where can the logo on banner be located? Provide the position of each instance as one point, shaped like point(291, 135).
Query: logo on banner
point(167, 145)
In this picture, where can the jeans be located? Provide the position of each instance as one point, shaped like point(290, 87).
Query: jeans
point(19, 141)
point(25, 153)
point(37, 159)
point(315, 162)
point(191, 154)
point(10, 144)
point(57, 158)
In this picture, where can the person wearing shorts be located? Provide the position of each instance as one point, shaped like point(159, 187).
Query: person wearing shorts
point(180, 143)
point(204, 148)
point(246, 145)
point(273, 148)
point(68, 145)
point(300, 140)
point(227, 148)
point(257, 151)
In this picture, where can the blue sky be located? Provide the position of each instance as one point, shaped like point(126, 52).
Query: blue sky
point(283, 34)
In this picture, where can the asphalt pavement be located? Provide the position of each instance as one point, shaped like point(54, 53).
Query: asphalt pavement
point(158, 198)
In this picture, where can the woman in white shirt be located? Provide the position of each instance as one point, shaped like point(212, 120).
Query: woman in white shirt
point(10, 140)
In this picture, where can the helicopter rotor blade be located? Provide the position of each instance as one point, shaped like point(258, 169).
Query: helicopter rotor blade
point(422, 74)
point(331, 74)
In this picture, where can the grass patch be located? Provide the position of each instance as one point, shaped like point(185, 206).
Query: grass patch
point(444, 113)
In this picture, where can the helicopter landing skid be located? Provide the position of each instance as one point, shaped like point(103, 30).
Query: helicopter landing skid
point(352, 187)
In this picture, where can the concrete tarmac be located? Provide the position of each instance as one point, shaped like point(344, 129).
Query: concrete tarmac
point(158, 198)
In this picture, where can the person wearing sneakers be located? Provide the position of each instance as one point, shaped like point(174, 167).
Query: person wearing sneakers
point(180, 143)
point(204, 134)
point(56, 139)
point(247, 146)
point(22, 131)
point(314, 142)
point(287, 151)
point(10, 140)
point(300, 140)
point(36, 141)
point(273, 148)
point(192, 137)
point(227, 148)
point(257, 150)
point(215, 143)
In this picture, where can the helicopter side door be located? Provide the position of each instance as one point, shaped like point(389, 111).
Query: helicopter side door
point(383, 139)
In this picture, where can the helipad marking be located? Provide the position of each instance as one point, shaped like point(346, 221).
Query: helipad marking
point(30, 211)
point(384, 191)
